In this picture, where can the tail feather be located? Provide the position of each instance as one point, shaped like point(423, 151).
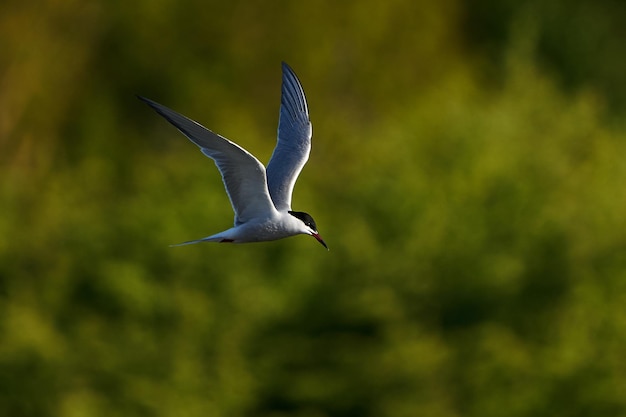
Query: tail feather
point(214, 238)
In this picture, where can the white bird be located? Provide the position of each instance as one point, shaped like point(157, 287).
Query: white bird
point(260, 198)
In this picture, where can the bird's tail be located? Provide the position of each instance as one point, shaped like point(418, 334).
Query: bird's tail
point(214, 238)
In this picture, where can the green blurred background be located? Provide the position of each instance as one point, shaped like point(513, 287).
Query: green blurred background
point(467, 172)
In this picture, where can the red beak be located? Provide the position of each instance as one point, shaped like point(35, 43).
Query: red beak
point(319, 239)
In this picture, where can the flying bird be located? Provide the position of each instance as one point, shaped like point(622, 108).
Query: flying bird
point(260, 197)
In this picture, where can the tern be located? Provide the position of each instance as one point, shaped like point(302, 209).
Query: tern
point(261, 198)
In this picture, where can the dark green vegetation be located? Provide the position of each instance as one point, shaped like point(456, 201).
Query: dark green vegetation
point(468, 173)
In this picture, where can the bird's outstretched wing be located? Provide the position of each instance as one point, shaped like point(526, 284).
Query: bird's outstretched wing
point(294, 141)
point(243, 175)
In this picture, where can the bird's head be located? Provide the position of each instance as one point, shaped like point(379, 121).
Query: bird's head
point(310, 228)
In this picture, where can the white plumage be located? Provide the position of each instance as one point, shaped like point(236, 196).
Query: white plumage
point(261, 198)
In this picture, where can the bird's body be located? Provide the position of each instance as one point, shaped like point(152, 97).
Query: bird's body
point(275, 226)
point(260, 198)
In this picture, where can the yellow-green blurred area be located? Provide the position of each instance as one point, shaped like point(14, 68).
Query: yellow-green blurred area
point(468, 173)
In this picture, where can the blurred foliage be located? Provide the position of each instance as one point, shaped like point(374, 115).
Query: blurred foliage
point(578, 42)
point(467, 173)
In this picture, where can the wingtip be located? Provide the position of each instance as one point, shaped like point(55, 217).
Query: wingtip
point(286, 68)
point(144, 99)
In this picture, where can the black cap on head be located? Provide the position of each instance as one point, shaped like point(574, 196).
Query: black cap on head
point(308, 220)
point(305, 217)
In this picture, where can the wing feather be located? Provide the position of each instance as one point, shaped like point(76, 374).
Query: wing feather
point(293, 144)
point(243, 175)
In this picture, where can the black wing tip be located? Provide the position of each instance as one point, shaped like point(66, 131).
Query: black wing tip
point(159, 108)
point(163, 111)
point(146, 100)
point(288, 70)
point(293, 92)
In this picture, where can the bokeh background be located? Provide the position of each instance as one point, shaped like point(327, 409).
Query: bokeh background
point(468, 173)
